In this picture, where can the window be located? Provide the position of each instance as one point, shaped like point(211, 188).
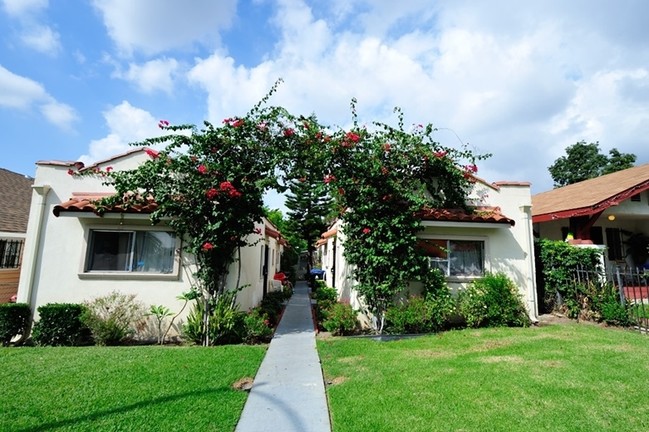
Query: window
point(10, 252)
point(131, 251)
point(455, 257)
point(636, 198)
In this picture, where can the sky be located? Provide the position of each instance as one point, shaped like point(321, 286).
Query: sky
point(520, 80)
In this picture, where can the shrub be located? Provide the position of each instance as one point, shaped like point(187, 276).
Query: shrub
point(113, 319)
point(60, 324)
point(557, 264)
point(341, 319)
point(226, 322)
point(419, 314)
point(492, 301)
point(257, 327)
point(14, 321)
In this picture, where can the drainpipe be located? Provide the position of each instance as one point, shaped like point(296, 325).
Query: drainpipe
point(31, 245)
point(531, 279)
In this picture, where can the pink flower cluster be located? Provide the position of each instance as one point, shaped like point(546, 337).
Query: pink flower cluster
point(153, 154)
point(163, 124)
point(440, 154)
point(234, 122)
point(329, 178)
point(207, 246)
point(225, 187)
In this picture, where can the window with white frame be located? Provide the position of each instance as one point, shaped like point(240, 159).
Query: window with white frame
point(455, 257)
point(144, 251)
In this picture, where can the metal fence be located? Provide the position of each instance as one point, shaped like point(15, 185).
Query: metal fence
point(620, 293)
point(10, 253)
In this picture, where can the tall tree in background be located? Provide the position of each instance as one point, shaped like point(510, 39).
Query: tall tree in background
point(584, 161)
point(308, 205)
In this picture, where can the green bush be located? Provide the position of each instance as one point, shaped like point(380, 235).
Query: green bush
point(558, 263)
point(60, 324)
point(113, 318)
point(341, 319)
point(257, 327)
point(14, 321)
point(420, 314)
point(492, 301)
point(325, 293)
point(272, 306)
point(226, 324)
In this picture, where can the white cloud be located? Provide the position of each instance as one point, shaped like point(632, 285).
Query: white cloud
point(18, 8)
point(127, 124)
point(42, 39)
point(152, 76)
point(17, 92)
point(59, 114)
point(151, 26)
point(521, 85)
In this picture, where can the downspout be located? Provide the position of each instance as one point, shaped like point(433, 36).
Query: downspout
point(532, 300)
point(31, 246)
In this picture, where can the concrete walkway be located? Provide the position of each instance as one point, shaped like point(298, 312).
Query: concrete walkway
point(288, 393)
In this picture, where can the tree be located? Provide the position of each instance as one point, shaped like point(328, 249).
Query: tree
point(584, 161)
point(381, 180)
point(308, 205)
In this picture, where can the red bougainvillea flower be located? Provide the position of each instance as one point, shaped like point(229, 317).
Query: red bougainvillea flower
point(211, 193)
point(257, 231)
point(262, 126)
point(366, 230)
point(472, 168)
point(109, 169)
point(163, 124)
point(351, 136)
point(341, 191)
point(202, 169)
point(288, 132)
point(329, 178)
point(152, 153)
point(440, 154)
point(387, 147)
point(71, 172)
point(237, 123)
point(227, 120)
point(227, 187)
point(207, 246)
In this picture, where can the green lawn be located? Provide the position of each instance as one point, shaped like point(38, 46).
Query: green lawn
point(560, 377)
point(146, 388)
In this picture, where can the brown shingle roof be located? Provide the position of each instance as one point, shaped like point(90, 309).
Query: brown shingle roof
point(15, 200)
point(590, 196)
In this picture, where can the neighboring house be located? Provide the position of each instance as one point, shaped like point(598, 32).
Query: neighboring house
point(611, 210)
point(495, 237)
point(73, 255)
point(15, 198)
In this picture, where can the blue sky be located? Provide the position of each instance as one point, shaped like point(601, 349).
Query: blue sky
point(79, 80)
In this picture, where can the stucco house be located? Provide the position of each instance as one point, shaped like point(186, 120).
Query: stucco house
point(15, 198)
point(72, 254)
point(611, 211)
point(495, 237)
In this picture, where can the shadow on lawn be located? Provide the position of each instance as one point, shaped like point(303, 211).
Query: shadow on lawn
point(122, 409)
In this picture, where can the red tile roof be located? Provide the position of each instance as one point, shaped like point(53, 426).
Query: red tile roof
point(590, 196)
point(86, 203)
point(15, 200)
point(478, 215)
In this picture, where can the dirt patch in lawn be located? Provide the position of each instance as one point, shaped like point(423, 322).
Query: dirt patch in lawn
point(243, 384)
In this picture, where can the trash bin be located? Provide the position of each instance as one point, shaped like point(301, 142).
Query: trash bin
point(315, 274)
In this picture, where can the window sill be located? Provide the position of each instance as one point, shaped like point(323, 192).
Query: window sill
point(128, 276)
point(461, 279)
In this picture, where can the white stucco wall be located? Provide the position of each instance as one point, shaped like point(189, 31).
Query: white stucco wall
point(55, 250)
